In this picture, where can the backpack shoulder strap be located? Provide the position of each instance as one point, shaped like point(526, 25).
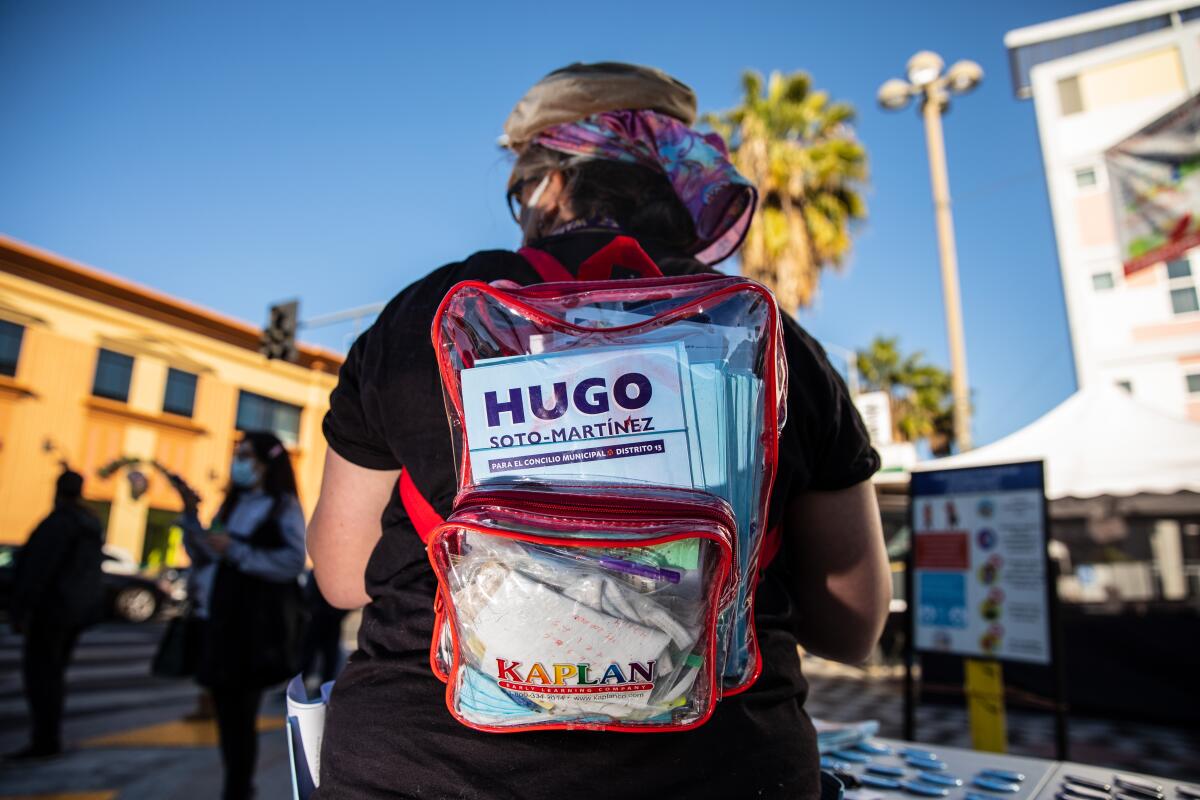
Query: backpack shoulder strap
point(622, 251)
point(422, 513)
point(547, 266)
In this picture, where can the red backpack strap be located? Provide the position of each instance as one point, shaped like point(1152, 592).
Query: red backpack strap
point(547, 266)
point(772, 544)
point(424, 517)
point(622, 251)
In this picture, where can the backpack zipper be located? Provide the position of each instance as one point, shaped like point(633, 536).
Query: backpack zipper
point(642, 507)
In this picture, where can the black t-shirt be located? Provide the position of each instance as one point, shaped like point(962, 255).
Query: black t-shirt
point(388, 732)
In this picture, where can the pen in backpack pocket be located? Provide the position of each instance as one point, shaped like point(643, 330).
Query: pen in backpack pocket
point(641, 570)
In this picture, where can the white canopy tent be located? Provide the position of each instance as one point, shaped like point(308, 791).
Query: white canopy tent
point(1099, 442)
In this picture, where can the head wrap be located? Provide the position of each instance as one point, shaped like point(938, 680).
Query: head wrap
point(577, 91)
point(718, 198)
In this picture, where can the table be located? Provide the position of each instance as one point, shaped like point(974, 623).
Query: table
point(1044, 779)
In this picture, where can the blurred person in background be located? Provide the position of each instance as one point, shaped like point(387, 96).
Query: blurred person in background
point(247, 566)
point(57, 592)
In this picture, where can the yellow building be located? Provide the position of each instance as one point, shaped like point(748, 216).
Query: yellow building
point(94, 368)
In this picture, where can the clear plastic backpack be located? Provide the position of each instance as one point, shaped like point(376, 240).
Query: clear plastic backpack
point(615, 442)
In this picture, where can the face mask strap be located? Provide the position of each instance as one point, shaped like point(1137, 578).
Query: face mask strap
point(539, 191)
point(528, 208)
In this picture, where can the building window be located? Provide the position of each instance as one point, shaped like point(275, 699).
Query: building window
point(1070, 99)
point(1179, 268)
point(1085, 178)
point(1182, 285)
point(10, 347)
point(258, 413)
point(1102, 281)
point(113, 373)
point(1193, 383)
point(1183, 301)
point(180, 397)
point(1125, 386)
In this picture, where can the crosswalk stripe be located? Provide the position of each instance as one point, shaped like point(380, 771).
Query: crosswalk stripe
point(61, 796)
point(109, 672)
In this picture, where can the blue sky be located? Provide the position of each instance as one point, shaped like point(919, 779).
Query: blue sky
point(238, 153)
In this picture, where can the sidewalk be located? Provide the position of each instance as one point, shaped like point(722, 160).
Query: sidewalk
point(124, 729)
point(167, 760)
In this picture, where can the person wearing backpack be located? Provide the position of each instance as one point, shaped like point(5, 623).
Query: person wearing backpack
point(247, 566)
point(57, 591)
point(603, 151)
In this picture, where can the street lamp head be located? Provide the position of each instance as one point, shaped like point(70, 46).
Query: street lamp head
point(894, 94)
point(964, 76)
point(924, 68)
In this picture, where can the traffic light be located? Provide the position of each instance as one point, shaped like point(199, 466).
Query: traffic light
point(279, 336)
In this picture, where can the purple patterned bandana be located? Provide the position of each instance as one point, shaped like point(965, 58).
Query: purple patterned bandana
point(720, 201)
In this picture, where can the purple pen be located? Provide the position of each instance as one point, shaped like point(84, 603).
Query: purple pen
point(644, 570)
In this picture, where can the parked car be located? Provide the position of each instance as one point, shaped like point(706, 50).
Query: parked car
point(129, 594)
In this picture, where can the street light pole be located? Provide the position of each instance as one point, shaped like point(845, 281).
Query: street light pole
point(935, 103)
point(984, 686)
point(925, 79)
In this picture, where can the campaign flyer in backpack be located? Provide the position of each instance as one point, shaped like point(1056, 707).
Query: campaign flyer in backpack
point(618, 414)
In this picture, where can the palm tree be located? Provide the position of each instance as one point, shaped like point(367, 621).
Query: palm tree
point(798, 149)
point(920, 392)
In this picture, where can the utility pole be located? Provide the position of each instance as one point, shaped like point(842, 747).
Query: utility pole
point(925, 80)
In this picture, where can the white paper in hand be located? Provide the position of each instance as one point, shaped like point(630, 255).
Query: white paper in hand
point(308, 718)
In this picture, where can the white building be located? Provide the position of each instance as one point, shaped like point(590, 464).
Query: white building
point(1095, 79)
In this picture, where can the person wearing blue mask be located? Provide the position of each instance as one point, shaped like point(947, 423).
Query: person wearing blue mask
point(245, 589)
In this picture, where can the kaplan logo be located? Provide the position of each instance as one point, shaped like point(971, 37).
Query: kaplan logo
point(631, 391)
point(575, 678)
